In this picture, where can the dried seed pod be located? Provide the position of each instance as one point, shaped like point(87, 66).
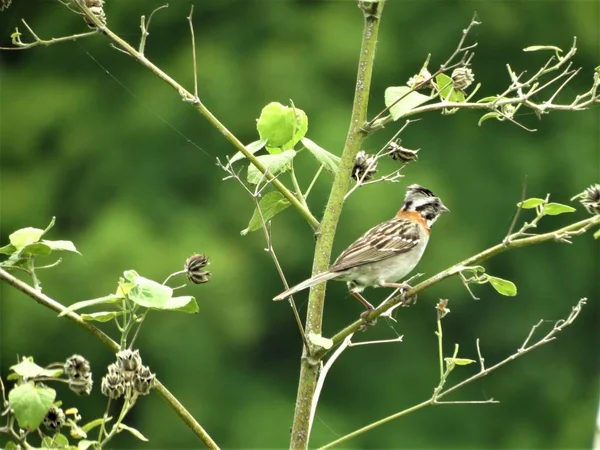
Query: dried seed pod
point(399, 153)
point(113, 385)
point(143, 381)
point(194, 266)
point(590, 199)
point(129, 360)
point(422, 80)
point(365, 166)
point(462, 78)
point(77, 367)
point(55, 418)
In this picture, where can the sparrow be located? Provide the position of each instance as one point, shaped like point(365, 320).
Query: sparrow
point(387, 252)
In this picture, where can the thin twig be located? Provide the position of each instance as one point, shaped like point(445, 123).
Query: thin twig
point(145, 26)
point(193, 52)
point(518, 213)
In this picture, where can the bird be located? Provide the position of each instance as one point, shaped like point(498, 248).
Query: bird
point(387, 252)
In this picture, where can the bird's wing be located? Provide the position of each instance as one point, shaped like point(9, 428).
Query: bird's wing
point(383, 241)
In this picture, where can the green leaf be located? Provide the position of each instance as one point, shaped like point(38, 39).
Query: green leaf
point(490, 115)
point(531, 203)
point(270, 205)
point(25, 236)
point(149, 293)
point(536, 48)
point(27, 369)
point(503, 287)
point(408, 102)
point(320, 341)
point(447, 92)
point(106, 300)
point(554, 209)
point(56, 441)
point(8, 249)
point(84, 444)
point(104, 316)
point(281, 126)
point(35, 249)
point(76, 431)
point(330, 161)
point(133, 431)
point(30, 403)
point(185, 303)
point(253, 147)
point(274, 164)
point(597, 235)
point(94, 423)
point(459, 361)
point(66, 246)
point(12, 446)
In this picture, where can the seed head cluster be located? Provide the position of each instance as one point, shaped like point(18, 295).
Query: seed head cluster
point(127, 374)
point(77, 369)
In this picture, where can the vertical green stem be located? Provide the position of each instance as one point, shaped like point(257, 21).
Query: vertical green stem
point(309, 367)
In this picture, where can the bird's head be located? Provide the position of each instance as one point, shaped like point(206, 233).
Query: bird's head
point(423, 201)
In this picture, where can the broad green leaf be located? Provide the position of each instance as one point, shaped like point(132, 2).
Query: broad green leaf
point(320, 341)
point(30, 403)
point(66, 246)
point(8, 249)
point(447, 92)
point(408, 103)
point(330, 161)
point(253, 147)
point(531, 203)
point(149, 293)
point(25, 236)
point(597, 235)
point(270, 205)
point(490, 99)
point(554, 209)
point(106, 300)
point(84, 444)
point(27, 369)
point(185, 303)
point(104, 316)
point(281, 126)
point(535, 48)
point(35, 249)
point(56, 441)
point(94, 423)
point(503, 287)
point(133, 431)
point(486, 116)
point(274, 164)
point(11, 445)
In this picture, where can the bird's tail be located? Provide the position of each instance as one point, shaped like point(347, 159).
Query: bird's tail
point(321, 278)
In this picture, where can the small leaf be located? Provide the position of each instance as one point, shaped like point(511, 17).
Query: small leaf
point(536, 48)
point(462, 361)
point(253, 147)
point(133, 431)
point(270, 205)
point(320, 341)
point(27, 369)
point(273, 163)
point(531, 203)
point(281, 126)
point(149, 293)
point(106, 300)
point(25, 236)
point(129, 275)
point(8, 249)
point(554, 209)
point(330, 161)
point(446, 90)
point(95, 423)
point(408, 102)
point(185, 303)
point(597, 235)
point(490, 115)
point(76, 431)
point(55, 442)
point(104, 316)
point(35, 249)
point(503, 287)
point(66, 246)
point(84, 444)
point(30, 403)
point(490, 99)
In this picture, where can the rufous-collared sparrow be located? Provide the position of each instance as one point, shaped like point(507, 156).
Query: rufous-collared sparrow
point(387, 252)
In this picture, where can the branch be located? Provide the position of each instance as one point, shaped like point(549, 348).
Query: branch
point(557, 235)
point(20, 45)
point(356, 134)
point(434, 400)
point(55, 306)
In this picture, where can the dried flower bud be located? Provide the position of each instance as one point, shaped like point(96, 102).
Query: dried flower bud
point(129, 360)
point(421, 80)
point(77, 367)
point(55, 418)
point(365, 166)
point(82, 386)
point(96, 8)
point(143, 381)
point(399, 153)
point(193, 269)
point(590, 199)
point(442, 308)
point(113, 385)
point(462, 78)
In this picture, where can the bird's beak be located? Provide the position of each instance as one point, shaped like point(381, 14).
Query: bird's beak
point(443, 209)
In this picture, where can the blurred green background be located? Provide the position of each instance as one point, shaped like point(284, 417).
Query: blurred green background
point(91, 137)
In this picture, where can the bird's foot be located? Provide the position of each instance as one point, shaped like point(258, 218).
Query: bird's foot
point(365, 322)
point(407, 300)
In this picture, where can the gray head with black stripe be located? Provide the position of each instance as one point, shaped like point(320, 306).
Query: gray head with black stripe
point(423, 201)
